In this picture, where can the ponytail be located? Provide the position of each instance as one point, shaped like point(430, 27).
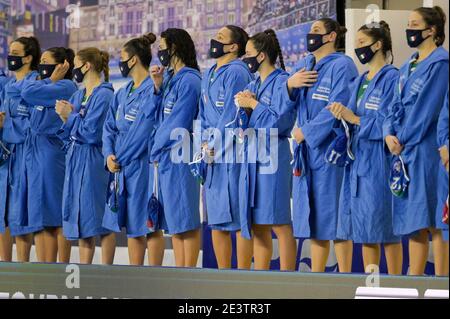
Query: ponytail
point(434, 17)
point(334, 26)
point(105, 64)
point(99, 60)
point(268, 43)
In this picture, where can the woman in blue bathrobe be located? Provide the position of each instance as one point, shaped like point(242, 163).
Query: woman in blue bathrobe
point(217, 111)
point(178, 93)
point(316, 192)
point(441, 261)
point(410, 131)
point(23, 60)
point(128, 127)
point(364, 218)
point(44, 163)
point(86, 182)
point(265, 184)
point(6, 241)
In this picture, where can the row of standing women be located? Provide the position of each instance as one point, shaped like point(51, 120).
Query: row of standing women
point(71, 151)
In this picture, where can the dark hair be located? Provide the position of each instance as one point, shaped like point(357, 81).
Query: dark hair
point(142, 48)
point(268, 43)
point(180, 43)
point(334, 26)
point(434, 17)
point(98, 59)
point(31, 47)
point(238, 36)
point(60, 55)
point(380, 31)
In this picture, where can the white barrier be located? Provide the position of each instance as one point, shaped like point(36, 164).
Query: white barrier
point(386, 293)
point(436, 294)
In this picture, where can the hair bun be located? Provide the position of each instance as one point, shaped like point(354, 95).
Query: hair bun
point(343, 30)
point(150, 38)
point(270, 32)
point(384, 25)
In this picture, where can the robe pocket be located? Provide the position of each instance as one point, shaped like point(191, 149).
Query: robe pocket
point(366, 160)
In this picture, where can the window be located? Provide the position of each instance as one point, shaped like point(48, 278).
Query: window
point(138, 28)
point(220, 5)
point(232, 4)
point(189, 22)
point(220, 19)
point(139, 15)
point(209, 6)
point(171, 13)
point(150, 26)
point(120, 16)
point(129, 16)
point(129, 29)
point(210, 21)
point(112, 29)
point(231, 18)
point(189, 4)
point(150, 7)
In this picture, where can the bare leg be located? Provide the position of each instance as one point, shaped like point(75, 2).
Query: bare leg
point(87, 250)
point(51, 244)
point(64, 247)
point(287, 246)
point(39, 243)
point(23, 246)
point(394, 258)
point(178, 249)
point(108, 243)
point(344, 255)
point(222, 248)
point(371, 255)
point(244, 249)
point(156, 246)
point(418, 253)
point(440, 252)
point(191, 243)
point(6, 245)
point(262, 246)
point(320, 249)
point(136, 250)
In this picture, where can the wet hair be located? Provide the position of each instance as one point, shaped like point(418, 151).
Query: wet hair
point(61, 54)
point(268, 43)
point(334, 26)
point(31, 47)
point(98, 59)
point(240, 37)
point(380, 31)
point(142, 48)
point(180, 43)
point(435, 17)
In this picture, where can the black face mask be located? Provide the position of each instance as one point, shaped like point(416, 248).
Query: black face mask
point(46, 70)
point(252, 63)
point(415, 37)
point(164, 57)
point(315, 41)
point(15, 62)
point(365, 54)
point(217, 49)
point(124, 68)
point(78, 75)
